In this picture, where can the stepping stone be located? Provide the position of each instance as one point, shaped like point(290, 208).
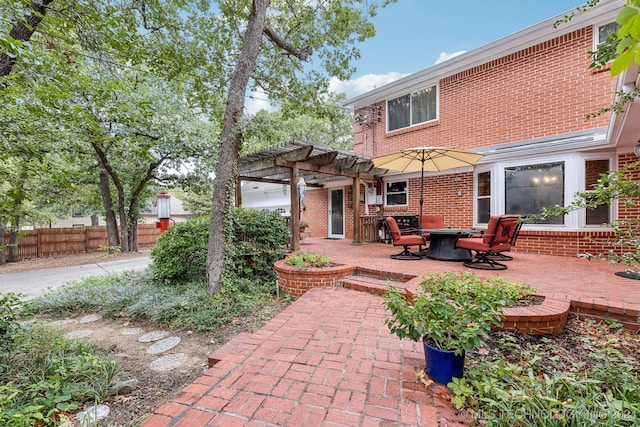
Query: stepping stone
point(90, 318)
point(132, 331)
point(92, 415)
point(82, 333)
point(62, 322)
point(153, 336)
point(163, 345)
point(168, 362)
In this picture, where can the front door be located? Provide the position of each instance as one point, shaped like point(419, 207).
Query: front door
point(336, 214)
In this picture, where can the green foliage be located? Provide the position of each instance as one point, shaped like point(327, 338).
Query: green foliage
point(308, 260)
point(10, 308)
point(621, 185)
point(110, 293)
point(257, 239)
point(522, 381)
point(181, 252)
point(452, 311)
point(137, 295)
point(45, 375)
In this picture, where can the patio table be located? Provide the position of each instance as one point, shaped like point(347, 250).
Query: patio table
point(443, 244)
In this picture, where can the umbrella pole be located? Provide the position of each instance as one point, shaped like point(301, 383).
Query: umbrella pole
point(421, 195)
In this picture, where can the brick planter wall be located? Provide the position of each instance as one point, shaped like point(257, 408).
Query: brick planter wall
point(296, 281)
point(550, 317)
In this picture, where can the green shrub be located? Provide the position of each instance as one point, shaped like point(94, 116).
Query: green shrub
point(181, 252)
point(10, 307)
point(308, 260)
point(258, 239)
point(255, 241)
point(45, 376)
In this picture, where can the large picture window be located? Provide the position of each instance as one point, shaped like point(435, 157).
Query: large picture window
point(408, 110)
point(396, 193)
point(530, 188)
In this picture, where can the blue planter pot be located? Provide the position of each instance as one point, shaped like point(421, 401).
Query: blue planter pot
point(442, 365)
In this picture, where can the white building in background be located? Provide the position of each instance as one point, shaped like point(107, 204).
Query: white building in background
point(177, 211)
point(148, 216)
point(260, 195)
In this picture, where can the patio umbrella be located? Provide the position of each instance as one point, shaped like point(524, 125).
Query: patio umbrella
point(430, 159)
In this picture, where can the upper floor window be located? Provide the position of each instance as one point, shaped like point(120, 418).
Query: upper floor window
point(408, 110)
point(396, 193)
point(603, 32)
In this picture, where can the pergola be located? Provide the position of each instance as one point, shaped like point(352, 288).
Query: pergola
point(284, 164)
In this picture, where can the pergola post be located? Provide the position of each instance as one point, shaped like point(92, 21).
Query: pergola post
point(295, 209)
point(357, 238)
point(238, 192)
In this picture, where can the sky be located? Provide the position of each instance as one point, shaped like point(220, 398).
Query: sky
point(412, 35)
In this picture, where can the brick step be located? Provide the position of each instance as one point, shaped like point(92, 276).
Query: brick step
point(226, 349)
point(373, 285)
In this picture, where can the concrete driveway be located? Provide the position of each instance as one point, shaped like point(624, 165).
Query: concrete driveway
point(37, 282)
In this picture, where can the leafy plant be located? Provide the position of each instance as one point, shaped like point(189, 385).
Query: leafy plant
point(523, 380)
point(10, 308)
point(308, 260)
point(256, 240)
point(623, 247)
point(452, 311)
point(45, 375)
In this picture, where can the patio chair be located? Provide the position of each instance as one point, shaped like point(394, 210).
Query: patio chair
point(430, 221)
point(405, 241)
point(501, 231)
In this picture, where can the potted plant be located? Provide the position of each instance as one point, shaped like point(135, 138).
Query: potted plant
point(303, 225)
point(451, 313)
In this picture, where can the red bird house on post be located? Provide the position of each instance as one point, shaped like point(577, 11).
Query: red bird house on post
point(164, 211)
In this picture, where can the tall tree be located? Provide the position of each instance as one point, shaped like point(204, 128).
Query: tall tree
point(294, 29)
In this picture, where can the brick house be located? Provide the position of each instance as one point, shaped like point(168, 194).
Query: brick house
point(523, 102)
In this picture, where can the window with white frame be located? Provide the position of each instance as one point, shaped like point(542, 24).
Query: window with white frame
point(483, 197)
point(411, 109)
point(604, 31)
point(529, 188)
point(524, 187)
point(396, 193)
point(592, 171)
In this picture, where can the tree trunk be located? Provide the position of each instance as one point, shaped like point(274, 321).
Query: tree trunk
point(3, 257)
point(110, 216)
point(23, 31)
point(13, 238)
point(95, 220)
point(230, 141)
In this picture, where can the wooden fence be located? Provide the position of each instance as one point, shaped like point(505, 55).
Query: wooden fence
point(45, 242)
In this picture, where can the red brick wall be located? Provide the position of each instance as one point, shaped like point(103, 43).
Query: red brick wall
point(544, 90)
point(541, 91)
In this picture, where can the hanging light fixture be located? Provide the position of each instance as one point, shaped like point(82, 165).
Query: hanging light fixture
point(636, 149)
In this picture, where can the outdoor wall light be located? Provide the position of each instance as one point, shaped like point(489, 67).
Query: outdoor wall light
point(636, 149)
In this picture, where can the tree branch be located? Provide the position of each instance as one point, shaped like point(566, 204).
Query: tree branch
point(301, 54)
point(23, 31)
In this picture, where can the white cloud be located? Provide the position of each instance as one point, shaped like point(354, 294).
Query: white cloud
point(256, 101)
point(363, 84)
point(445, 56)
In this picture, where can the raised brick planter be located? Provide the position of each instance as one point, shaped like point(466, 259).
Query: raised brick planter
point(296, 281)
point(550, 317)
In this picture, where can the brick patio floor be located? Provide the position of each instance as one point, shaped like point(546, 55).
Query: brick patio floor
point(328, 359)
